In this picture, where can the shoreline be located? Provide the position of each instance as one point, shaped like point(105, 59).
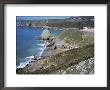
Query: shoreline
point(35, 66)
point(46, 54)
point(36, 56)
point(32, 58)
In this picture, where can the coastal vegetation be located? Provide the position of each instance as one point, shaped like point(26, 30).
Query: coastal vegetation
point(75, 37)
point(74, 46)
point(63, 60)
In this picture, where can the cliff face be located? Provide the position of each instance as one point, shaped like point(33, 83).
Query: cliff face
point(23, 23)
point(32, 23)
point(45, 34)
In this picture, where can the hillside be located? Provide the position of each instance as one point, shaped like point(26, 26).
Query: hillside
point(72, 22)
point(78, 38)
point(61, 61)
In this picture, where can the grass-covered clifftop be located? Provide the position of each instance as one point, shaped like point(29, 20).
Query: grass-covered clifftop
point(71, 36)
point(76, 37)
point(63, 60)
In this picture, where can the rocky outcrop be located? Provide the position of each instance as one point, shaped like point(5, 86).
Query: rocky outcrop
point(45, 34)
point(83, 67)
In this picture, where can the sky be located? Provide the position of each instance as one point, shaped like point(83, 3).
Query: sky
point(40, 17)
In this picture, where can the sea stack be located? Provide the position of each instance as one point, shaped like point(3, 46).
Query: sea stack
point(46, 33)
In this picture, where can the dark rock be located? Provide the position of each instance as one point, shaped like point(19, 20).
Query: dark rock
point(19, 70)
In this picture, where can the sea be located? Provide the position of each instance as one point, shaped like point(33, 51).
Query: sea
point(27, 45)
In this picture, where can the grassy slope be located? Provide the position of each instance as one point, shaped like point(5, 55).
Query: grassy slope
point(76, 37)
point(71, 36)
point(65, 59)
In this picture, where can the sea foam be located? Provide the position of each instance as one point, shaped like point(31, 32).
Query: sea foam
point(27, 60)
point(30, 58)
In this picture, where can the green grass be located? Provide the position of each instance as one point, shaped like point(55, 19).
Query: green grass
point(76, 37)
point(71, 36)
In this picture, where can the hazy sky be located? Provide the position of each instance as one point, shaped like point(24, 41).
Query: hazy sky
point(40, 17)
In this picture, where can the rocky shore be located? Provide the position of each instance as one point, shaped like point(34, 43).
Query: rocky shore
point(62, 61)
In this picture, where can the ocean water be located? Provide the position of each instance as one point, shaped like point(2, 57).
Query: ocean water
point(27, 46)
